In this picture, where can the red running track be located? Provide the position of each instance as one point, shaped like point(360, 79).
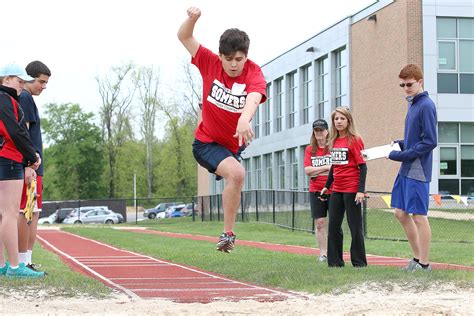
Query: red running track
point(141, 276)
point(371, 259)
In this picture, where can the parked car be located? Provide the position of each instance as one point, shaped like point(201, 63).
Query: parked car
point(188, 210)
point(51, 219)
point(120, 217)
point(174, 209)
point(98, 216)
point(57, 217)
point(152, 213)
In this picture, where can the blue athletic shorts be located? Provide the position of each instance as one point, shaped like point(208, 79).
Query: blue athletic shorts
point(210, 155)
point(411, 196)
point(11, 170)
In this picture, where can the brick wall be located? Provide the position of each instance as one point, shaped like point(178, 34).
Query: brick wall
point(378, 51)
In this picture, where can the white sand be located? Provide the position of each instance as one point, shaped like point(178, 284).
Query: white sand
point(370, 299)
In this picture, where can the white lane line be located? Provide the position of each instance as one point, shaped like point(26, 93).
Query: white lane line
point(151, 264)
point(100, 276)
point(187, 268)
point(184, 283)
point(177, 278)
point(204, 289)
point(99, 257)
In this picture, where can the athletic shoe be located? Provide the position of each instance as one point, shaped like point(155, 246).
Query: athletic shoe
point(410, 266)
point(23, 272)
point(4, 269)
point(323, 258)
point(226, 243)
point(419, 267)
point(35, 267)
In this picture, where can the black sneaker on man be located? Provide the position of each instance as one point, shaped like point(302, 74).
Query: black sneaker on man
point(226, 242)
point(35, 267)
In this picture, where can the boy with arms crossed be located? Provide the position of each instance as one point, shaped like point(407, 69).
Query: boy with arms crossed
point(27, 233)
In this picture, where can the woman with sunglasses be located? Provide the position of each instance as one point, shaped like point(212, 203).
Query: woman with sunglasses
point(16, 152)
point(347, 177)
point(317, 162)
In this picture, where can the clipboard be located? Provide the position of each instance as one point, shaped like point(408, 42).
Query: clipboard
point(379, 151)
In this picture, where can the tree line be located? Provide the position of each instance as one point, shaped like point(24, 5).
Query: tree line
point(89, 160)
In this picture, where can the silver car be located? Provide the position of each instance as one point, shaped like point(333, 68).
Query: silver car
point(98, 216)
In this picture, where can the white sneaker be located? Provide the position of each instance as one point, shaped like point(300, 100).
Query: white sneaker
point(322, 258)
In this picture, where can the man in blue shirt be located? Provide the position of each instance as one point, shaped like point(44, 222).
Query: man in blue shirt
point(410, 194)
point(27, 233)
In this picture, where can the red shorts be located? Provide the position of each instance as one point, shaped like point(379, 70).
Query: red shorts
point(39, 198)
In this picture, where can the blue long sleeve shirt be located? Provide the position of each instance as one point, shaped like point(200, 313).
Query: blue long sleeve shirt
point(420, 138)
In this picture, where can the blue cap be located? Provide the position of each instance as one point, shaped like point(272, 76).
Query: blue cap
point(15, 70)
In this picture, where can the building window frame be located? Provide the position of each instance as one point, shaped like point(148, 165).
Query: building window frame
point(291, 99)
point(278, 104)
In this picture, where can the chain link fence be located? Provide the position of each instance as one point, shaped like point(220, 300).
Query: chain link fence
point(450, 220)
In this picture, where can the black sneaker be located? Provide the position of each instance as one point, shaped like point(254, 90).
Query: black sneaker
point(226, 243)
point(34, 267)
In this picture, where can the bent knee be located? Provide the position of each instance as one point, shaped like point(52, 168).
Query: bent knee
point(320, 223)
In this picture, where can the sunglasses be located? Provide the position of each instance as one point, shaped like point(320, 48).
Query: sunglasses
point(409, 84)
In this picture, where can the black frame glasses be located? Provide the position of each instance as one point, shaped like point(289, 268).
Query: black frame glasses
point(409, 84)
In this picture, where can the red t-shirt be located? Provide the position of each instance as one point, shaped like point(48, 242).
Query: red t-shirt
point(224, 97)
point(345, 161)
point(320, 158)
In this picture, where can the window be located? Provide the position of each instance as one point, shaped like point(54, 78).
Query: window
point(323, 85)
point(305, 80)
point(267, 160)
point(341, 77)
point(456, 161)
point(278, 105)
point(291, 95)
point(257, 161)
point(256, 123)
point(293, 168)
point(248, 174)
point(280, 163)
point(266, 113)
point(455, 55)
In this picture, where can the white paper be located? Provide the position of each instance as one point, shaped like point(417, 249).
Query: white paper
point(379, 151)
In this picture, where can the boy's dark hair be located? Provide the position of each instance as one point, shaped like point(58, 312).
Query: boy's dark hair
point(37, 68)
point(232, 41)
point(411, 71)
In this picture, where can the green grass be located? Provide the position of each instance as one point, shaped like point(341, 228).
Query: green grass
point(441, 251)
point(380, 224)
point(61, 281)
point(258, 266)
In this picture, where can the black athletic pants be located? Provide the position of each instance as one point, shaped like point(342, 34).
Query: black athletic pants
point(340, 203)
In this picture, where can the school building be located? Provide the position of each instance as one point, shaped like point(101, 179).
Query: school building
point(355, 63)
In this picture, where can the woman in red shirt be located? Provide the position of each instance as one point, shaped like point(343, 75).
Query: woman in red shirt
point(317, 162)
point(16, 152)
point(347, 176)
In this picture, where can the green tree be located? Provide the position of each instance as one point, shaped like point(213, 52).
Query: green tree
point(74, 159)
point(177, 172)
point(117, 95)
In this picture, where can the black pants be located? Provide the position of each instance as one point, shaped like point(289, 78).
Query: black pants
point(340, 203)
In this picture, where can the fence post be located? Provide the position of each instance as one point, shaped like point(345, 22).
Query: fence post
point(218, 208)
point(242, 204)
point(136, 211)
point(364, 216)
point(194, 215)
point(210, 208)
point(256, 204)
point(273, 205)
point(293, 211)
point(202, 208)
